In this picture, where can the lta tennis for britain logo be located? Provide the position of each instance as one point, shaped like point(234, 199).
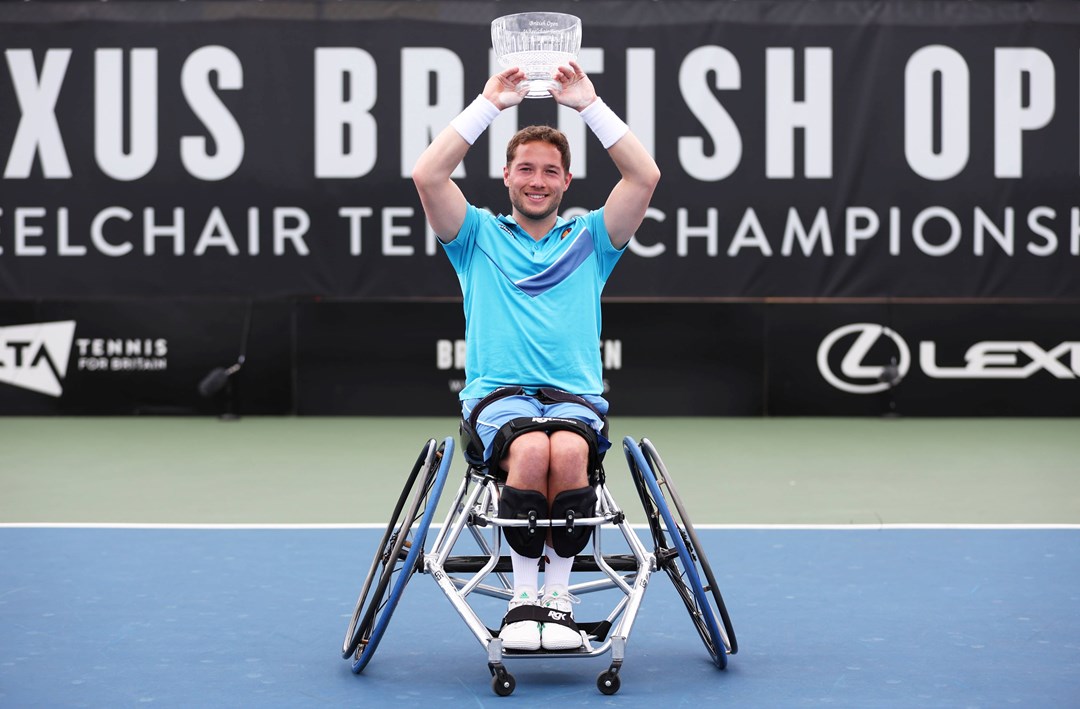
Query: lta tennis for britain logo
point(35, 357)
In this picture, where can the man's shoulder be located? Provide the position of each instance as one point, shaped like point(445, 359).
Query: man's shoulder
point(478, 221)
point(590, 218)
point(594, 222)
point(484, 218)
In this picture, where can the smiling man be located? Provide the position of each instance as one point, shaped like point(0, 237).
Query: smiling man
point(531, 283)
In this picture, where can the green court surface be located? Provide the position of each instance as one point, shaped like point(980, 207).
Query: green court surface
point(820, 471)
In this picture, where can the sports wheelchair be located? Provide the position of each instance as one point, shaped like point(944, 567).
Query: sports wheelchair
point(672, 546)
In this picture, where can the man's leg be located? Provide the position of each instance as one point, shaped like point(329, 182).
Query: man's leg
point(569, 456)
point(568, 471)
point(525, 490)
point(539, 469)
point(526, 464)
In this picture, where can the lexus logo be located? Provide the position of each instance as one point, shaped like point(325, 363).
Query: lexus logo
point(855, 375)
point(987, 359)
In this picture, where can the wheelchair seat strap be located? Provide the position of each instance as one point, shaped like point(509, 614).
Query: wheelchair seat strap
point(500, 393)
point(545, 395)
point(551, 395)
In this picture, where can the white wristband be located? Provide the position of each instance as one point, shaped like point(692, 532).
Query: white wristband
point(604, 123)
point(475, 119)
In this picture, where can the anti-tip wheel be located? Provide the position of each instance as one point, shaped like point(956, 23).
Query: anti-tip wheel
point(503, 684)
point(608, 682)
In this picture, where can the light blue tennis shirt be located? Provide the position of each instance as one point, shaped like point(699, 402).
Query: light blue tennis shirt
point(532, 308)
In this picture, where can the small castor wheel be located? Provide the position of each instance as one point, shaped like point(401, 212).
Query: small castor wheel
point(608, 682)
point(502, 683)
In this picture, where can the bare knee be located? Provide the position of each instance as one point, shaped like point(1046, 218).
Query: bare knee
point(569, 462)
point(527, 461)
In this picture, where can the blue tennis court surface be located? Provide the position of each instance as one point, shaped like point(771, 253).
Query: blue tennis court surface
point(255, 617)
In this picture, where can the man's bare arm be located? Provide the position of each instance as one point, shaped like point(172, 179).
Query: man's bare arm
point(444, 204)
point(626, 205)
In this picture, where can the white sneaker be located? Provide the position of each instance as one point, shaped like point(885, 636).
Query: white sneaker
point(524, 634)
point(553, 635)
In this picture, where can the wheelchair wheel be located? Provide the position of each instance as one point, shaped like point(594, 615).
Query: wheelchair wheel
point(679, 552)
point(397, 557)
point(693, 545)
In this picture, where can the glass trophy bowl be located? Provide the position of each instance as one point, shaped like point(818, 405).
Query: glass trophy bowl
point(538, 43)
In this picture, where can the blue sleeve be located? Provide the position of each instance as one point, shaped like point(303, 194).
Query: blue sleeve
point(460, 250)
point(606, 253)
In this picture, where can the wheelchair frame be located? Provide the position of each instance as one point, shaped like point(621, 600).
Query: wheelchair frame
point(401, 553)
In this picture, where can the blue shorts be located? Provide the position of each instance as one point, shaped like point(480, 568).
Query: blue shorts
point(501, 411)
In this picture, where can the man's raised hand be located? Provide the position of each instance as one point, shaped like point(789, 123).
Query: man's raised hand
point(575, 90)
point(505, 89)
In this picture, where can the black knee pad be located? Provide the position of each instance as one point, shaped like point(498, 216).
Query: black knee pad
point(523, 504)
point(568, 539)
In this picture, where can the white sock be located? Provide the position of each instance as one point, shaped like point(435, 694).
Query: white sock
point(526, 574)
point(557, 572)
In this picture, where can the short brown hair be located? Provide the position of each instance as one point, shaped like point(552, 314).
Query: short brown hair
point(544, 134)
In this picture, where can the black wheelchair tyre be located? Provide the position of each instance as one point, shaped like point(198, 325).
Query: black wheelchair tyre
point(365, 630)
point(608, 682)
point(503, 684)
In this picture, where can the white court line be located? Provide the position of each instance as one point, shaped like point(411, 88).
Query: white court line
point(300, 526)
point(185, 525)
point(896, 525)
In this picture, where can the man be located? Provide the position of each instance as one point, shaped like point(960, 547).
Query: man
point(531, 284)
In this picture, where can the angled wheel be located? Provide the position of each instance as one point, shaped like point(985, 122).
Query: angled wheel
point(398, 555)
point(678, 551)
point(693, 546)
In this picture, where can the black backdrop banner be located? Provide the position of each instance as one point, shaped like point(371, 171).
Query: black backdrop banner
point(402, 358)
point(866, 207)
point(409, 358)
point(144, 357)
point(724, 359)
point(824, 150)
point(990, 359)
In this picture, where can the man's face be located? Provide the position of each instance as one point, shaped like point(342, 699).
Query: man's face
point(536, 180)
